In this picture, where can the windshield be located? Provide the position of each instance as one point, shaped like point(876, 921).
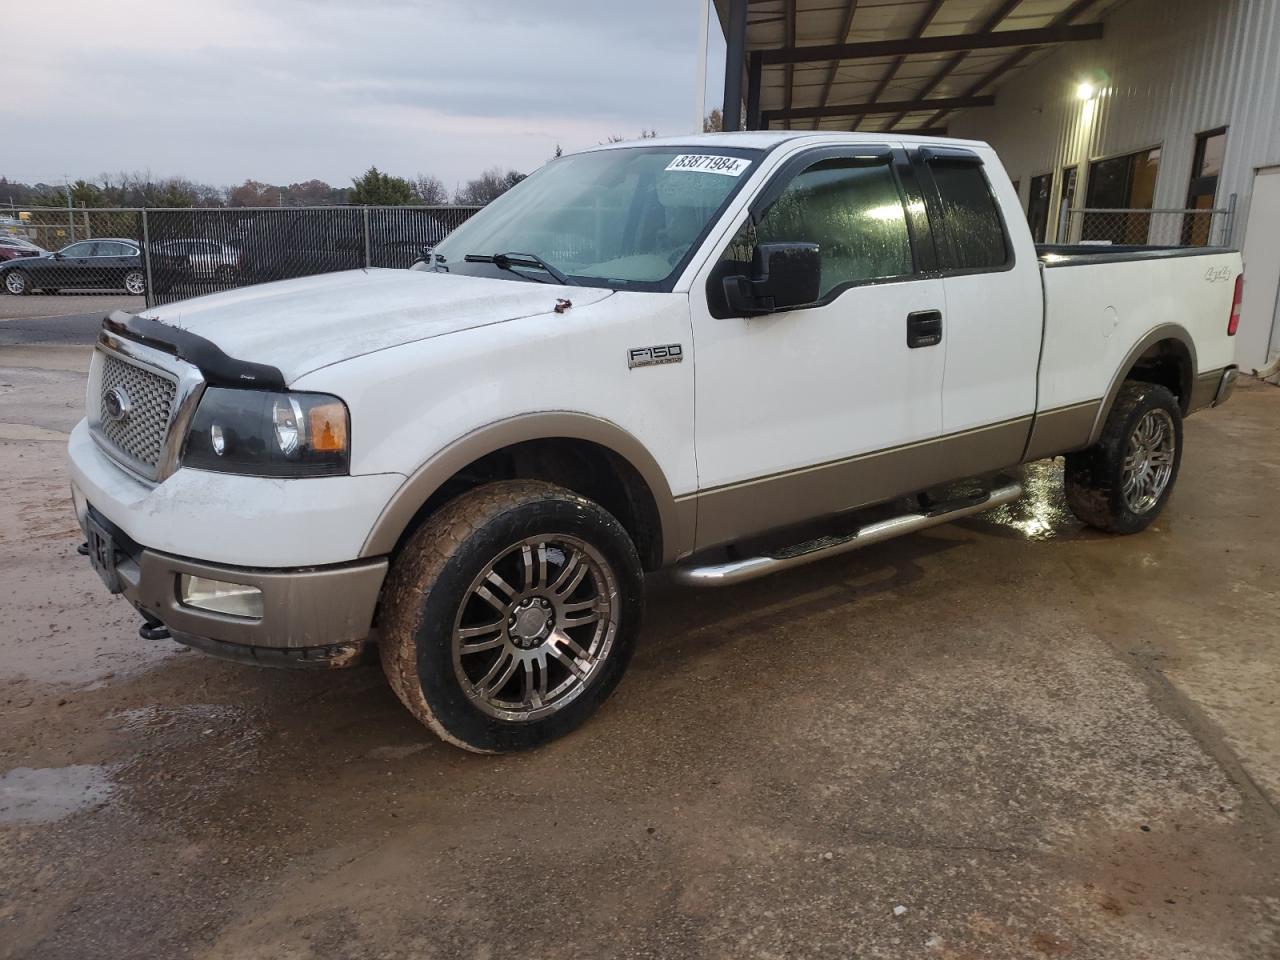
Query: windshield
point(625, 217)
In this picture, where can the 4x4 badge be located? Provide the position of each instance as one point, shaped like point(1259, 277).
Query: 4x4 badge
point(649, 356)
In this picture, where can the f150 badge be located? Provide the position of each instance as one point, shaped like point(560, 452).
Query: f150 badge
point(651, 356)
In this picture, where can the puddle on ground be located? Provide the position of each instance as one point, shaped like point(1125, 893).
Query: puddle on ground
point(1041, 513)
point(42, 795)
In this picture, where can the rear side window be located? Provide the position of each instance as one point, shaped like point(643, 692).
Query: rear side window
point(851, 209)
point(972, 217)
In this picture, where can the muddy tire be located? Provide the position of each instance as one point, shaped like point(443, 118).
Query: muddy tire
point(1123, 481)
point(510, 615)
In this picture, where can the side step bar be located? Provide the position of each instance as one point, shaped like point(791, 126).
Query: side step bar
point(739, 571)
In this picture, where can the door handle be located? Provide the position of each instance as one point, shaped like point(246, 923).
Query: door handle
point(924, 328)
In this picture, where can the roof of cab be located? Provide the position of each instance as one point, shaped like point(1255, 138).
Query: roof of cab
point(765, 139)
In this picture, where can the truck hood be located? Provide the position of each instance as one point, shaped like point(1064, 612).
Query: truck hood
point(302, 325)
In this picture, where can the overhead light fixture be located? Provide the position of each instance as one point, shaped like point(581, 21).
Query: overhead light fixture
point(1086, 90)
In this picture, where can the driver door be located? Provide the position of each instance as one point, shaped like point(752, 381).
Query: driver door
point(72, 266)
point(832, 406)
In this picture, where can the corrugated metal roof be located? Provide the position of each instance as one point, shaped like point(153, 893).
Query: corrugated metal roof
point(774, 25)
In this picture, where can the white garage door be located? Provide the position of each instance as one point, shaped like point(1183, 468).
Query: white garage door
point(1259, 337)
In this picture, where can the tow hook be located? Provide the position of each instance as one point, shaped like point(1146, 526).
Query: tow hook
point(153, 630)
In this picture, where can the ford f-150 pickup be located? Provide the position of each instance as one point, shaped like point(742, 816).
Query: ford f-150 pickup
point(725, 354)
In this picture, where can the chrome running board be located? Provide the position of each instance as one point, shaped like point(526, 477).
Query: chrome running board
point(739, 571)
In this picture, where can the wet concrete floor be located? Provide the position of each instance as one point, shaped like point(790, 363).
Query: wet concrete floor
point(1038, 740)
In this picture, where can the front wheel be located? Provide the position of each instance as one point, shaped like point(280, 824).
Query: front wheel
point(16, 283)
point(1123, 481)
point(510, 615)
point(135, 283)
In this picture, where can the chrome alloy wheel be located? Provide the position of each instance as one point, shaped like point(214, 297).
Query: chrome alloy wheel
point(15, 281)
point(135, 283)
point(1148, 465)
point(535, 627)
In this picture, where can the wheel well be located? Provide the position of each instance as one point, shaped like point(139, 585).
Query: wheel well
point(586, 468)
point(1167, 363)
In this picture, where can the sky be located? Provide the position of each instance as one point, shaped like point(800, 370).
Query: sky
point(284, 91)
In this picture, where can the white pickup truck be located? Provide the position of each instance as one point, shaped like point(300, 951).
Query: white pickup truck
point(725, 354)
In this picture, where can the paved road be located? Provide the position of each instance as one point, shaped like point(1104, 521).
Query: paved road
point(40, 306)
point(1038, 740)
point(65, 319)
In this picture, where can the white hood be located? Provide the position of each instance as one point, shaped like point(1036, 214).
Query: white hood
point(301, 325)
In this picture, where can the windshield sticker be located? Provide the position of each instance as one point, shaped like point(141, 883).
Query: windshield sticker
point(706, 163)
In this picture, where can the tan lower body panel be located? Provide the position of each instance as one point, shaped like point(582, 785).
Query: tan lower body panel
point(1062, 430)
point(1204, 389)
point(752, 507)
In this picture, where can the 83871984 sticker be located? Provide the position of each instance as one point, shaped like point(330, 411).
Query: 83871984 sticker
point(708, 163)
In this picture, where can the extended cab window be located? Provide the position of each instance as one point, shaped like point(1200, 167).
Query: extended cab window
point(851, 209)
point(971, 216)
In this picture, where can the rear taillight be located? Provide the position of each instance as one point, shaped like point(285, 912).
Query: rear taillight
point(1233, 323)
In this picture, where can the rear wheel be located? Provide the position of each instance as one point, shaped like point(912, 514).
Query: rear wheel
point(510, 615)
point(1123, 481)
point(16, 283)
point(135, 282)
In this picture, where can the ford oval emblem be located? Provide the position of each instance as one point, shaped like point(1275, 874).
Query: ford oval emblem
point(116, 405)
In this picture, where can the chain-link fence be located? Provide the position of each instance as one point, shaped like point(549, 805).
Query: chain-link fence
point(176, 253)
point(1157, 228)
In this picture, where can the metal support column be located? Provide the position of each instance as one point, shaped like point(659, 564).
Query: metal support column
point(755, 70)
point(146, 259)
point(368, 259)
point(736, 45)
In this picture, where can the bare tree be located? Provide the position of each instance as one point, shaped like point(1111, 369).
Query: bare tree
point(430, 190)
point(490, 185)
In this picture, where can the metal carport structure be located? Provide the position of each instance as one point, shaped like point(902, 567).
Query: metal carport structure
point(880, 65)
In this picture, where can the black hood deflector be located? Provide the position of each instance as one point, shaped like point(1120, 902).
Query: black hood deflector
point(219, 369)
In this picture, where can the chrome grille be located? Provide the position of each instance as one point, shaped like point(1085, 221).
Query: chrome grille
point(140, 434)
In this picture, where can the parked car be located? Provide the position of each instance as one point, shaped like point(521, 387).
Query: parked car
point(209, 259)
point(11, 248)
point(105, 262)
point(476, 460)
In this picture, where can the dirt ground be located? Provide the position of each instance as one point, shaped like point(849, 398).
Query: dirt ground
point(1038, 740)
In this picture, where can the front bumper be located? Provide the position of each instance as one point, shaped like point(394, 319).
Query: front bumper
point(311, 616)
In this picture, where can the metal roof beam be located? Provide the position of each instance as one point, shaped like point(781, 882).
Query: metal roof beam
point(865, 50)
point(1014, 59)
point(871, 108)
point(988, 26)
point(921, 26)
point(850, 8)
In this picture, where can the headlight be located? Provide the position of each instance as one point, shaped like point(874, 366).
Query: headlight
point(268, 434)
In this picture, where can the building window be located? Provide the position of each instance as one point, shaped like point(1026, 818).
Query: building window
point(1126, 185)
point(1038, 206)
point(1206, 166)
point(1067, 203)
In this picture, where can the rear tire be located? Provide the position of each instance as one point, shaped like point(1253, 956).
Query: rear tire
point(135, 283)
point(1122, 483)
point(510, 615)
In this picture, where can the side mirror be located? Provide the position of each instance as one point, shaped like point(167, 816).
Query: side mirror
point(58, 255)
point(783, 276)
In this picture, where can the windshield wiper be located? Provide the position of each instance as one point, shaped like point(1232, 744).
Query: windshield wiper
point(510, 261)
